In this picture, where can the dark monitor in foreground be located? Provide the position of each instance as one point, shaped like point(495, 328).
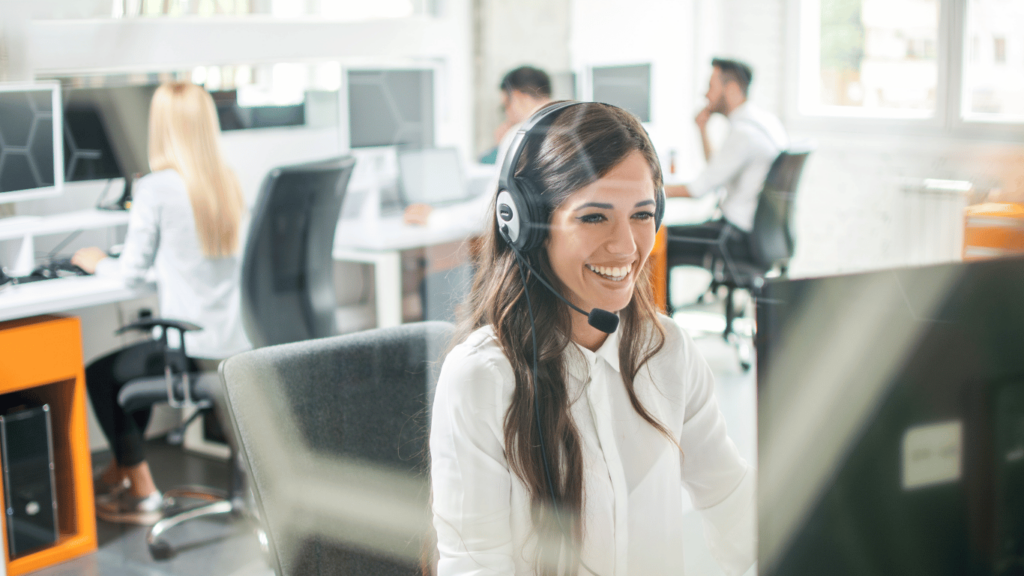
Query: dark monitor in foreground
point(891, 422)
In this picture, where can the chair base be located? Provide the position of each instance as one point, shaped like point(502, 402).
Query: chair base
point(218, 504)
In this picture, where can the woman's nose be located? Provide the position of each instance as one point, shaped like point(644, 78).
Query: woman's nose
point(621, 242)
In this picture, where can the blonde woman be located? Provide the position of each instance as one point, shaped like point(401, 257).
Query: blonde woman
point(187, 224)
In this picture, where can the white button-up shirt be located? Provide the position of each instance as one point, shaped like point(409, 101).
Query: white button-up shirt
point(162, 236)
point(633, 511)
point(740, 166)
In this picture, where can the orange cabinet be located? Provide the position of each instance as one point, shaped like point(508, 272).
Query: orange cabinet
point(993, 229)
point(41, 361)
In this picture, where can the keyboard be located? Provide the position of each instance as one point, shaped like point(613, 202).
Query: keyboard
point(56, 268)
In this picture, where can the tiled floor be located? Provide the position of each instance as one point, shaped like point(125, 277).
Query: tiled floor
point(226, 547)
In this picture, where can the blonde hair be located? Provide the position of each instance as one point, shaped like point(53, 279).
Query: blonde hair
point(184, 137)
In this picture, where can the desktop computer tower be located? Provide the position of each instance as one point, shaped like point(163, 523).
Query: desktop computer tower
point(29, 487)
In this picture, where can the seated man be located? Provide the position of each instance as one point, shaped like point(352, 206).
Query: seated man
point(755, 139)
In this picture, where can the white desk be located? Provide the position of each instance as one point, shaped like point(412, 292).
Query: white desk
point(62, 294)
point(26, 228)
point(380, 242)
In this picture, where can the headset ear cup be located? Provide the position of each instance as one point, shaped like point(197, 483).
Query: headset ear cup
point(659, 208)
point(533, 219)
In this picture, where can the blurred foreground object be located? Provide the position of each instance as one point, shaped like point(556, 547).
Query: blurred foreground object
point(891, 422)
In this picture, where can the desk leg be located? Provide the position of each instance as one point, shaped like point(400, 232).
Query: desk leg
point(388, 282)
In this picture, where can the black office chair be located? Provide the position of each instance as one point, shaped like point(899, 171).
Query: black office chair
point(287, 294)
point(334, 435)
point(288, 267)
point(743, 265)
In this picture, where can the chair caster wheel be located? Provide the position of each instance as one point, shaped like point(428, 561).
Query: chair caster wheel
point(161, 550)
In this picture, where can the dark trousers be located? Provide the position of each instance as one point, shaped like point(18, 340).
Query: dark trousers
point(104, 379)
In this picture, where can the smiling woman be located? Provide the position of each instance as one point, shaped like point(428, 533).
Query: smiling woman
point(557, 444)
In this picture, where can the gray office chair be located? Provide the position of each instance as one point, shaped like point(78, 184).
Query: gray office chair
point(334, 432)
point(769, 247)
point(287, 295)
point(288, 268)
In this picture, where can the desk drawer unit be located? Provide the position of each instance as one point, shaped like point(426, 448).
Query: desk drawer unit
point(41, 365)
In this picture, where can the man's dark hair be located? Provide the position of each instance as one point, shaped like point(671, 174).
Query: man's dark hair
point(735, 71)
point(528, 80)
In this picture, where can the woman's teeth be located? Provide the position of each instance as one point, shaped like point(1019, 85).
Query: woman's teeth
point(612, 273)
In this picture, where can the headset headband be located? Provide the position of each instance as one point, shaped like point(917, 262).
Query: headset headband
point(546, 116)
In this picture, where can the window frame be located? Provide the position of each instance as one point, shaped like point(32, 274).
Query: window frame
point(948, 119)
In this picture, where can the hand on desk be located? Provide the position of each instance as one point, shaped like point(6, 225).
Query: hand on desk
point(88, 258)
point(417, 214)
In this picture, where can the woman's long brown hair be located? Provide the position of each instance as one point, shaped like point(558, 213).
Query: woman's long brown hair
point(582, 145)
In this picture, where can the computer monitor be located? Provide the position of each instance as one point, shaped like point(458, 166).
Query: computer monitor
point(627, 87)
point(31, 143)
point(87, 151)
point(391, 108)
point(432, 176)
point(891, 422)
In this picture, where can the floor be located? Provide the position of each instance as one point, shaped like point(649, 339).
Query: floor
point(226, 547)
point(206, 546)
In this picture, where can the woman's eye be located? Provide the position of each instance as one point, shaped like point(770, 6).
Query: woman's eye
point(643, 215)
point(592, 218)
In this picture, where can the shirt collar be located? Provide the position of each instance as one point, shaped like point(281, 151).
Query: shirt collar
point(740, 110)
point(608, 352)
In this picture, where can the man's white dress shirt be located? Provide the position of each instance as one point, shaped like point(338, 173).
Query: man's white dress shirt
point(162, 235)
point(755, 139)
point(633, 511)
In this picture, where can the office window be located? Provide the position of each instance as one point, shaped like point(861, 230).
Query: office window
point(869, 57)
point(993, 88)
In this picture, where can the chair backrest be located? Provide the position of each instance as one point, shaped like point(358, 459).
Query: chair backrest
point(771, 239)
point(287, 270)
point(334, 435)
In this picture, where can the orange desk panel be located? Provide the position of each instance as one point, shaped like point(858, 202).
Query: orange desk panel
point(659, 269)
point(41, 360)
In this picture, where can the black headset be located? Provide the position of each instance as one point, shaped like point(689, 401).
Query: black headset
point(521, 210)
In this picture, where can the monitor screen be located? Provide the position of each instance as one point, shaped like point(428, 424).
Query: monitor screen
point(87, 151)
point(391, 108)
point(891, 422)
point(432, 176)
point(627, 87)
point(31, 148)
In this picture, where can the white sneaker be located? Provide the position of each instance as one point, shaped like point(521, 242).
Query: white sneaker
point(123, 507)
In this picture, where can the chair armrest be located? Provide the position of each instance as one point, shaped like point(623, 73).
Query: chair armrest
point(149, 323)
